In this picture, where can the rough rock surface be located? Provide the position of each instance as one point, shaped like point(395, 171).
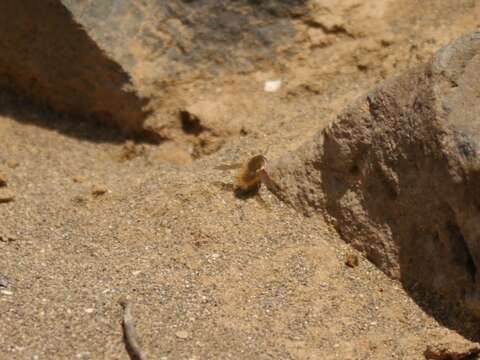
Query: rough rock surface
point(452, 347)
point(398, 174)
point(50, 59)
point(108, 59)
point(160, 40)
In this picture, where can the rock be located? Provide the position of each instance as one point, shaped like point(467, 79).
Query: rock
point(205, 120)
point(12, 164)
point(182, 334)
point(6, 195)
point(98, 190)
point(329, 23)
point(4, 281)
point(452, 347)
point(7, 237)
point(130, 150)
point(272, 85)
point(116, 60)
point(351, 260)
point(49, 57)
point(211, 117)
point(398, 174)
point(78, 179)
point(3, 179)
point(175, 39)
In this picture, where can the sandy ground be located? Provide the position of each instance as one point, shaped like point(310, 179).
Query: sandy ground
point(209, 275)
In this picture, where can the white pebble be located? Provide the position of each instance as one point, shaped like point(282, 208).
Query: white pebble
point(272, 85)
point(182, 334)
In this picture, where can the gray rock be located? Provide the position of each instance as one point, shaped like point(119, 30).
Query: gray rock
point(113, 59)
point(166, 40)
point(4, 281)
point(398, 174)
point(49, 58)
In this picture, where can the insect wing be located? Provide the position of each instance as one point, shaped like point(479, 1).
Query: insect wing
point(228, 167)
point(223, 186)
point(268, 181)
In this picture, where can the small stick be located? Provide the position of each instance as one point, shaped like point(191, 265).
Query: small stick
point(129, 334)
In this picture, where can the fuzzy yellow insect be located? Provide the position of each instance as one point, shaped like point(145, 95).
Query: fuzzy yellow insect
point(252, 173)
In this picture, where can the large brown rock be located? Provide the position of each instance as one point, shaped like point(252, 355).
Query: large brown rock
point(161, 41)
point(49, 58)
point(398, 174)
point(119, 60)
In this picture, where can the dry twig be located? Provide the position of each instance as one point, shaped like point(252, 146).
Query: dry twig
point(129, 334)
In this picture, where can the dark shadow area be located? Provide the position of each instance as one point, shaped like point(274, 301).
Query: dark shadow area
point(409, 229)
point(191, 124)
point(247, 194)
point(254, 193)
point(450, 315)
point(91, 129)
point(50, 60)
point(390, 183)
point(436, 266)
point(451, 260)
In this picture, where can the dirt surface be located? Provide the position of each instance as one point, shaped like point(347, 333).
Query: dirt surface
point(95, 218)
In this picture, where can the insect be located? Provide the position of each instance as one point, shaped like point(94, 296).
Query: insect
point(250, 176)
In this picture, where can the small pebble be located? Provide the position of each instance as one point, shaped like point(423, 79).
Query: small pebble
point(3, 179)
point(78, 179)
point(79, 200)
point(6, 292)
point(182, 334)
point(83, 355)
point(3, 281)
point(131, 150)
point(272, 85)
point(351, 260)
point(6, 237)
point(12, 164)
point(89, 310)
point(6, 196)
point(98, 190)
